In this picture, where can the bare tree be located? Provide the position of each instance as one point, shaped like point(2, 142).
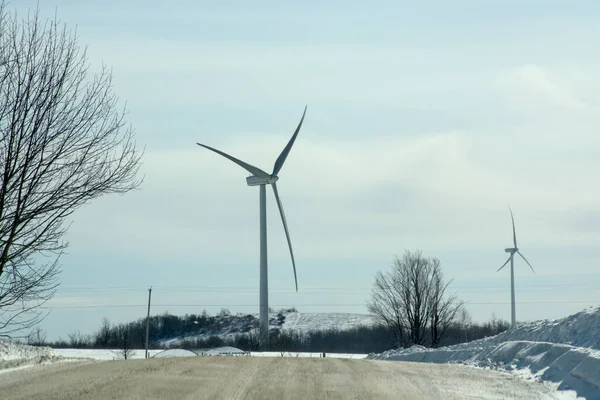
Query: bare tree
point(444, 309)
point(103, 337)
point(386, 307)
point(63, 143)
point(78, 340)
point(411, 300)
point(253, 339)
point(126, 351)
point(464, 320)
point(37, 337)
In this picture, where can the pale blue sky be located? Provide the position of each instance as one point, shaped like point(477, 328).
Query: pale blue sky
point(425, 119)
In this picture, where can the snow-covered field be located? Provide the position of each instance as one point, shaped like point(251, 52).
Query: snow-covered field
point(103, 355)
point(564, 353)
point(14, 355)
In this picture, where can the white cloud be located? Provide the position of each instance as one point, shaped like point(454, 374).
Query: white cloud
point(536, 88)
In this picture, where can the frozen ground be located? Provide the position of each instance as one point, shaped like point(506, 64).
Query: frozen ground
point(564, 353)
point(263, 378)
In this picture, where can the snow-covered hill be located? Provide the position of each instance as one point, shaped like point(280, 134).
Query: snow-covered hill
point(285, 320)
point(564, 352)
point(305, 322)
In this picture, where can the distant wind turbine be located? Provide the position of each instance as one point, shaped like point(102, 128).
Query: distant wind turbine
point(512, 251)
point(262, 178)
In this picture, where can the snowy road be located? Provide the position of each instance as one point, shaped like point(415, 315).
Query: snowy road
point(262, 378)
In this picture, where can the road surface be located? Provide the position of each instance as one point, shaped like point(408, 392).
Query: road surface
point(261, 378)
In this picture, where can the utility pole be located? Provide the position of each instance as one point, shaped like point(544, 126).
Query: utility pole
point(148, 320)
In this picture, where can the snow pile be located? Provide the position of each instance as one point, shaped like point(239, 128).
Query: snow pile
point(171, 353)
point(533, 349)
point(14, 354)
point(222, 351)
point(581, 330)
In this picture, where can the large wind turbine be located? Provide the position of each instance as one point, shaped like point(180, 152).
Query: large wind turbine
point(512, 251)
point(262, 178)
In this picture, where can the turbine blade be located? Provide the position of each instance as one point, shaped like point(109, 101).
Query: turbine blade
point(287, 232)
point(523, 257)
point(286, 150)
point(250, 168)
point(513, 224)
point(503, 265)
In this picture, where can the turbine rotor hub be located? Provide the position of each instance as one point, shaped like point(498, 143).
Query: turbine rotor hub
point(273, 179)
point(254, 180)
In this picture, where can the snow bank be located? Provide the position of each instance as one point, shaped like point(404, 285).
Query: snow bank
point(572, 368)
point(581, 329)
point(171, 353)
point(563, 351)
point(15, 354)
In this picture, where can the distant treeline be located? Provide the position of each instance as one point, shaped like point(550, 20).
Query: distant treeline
point(201, 331)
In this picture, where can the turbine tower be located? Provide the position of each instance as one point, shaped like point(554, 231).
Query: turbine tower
point(512, 251)
point(261, 178)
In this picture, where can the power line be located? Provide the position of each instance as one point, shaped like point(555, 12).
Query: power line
point(168, 287)
point(298, 305)
point(327, 290)
point(348, 293)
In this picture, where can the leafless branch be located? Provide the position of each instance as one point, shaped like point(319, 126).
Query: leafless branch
point(63, 143)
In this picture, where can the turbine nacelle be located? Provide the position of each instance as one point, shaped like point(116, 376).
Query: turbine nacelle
point(258, 180)
point(512, 250)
